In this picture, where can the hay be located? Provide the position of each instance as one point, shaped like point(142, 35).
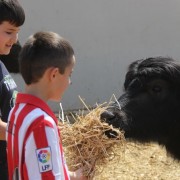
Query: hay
point(147, 161)
point(85, 142)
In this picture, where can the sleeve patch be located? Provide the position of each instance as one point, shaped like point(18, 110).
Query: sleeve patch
point(44, 159)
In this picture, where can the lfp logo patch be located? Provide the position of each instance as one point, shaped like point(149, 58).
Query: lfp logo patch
point(44, 156)
point(44, 159)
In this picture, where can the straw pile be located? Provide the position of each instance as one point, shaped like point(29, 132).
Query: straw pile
point(85, 142)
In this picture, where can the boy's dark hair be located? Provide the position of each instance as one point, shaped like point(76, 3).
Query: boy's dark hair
point(41, 51)
point(11, 11)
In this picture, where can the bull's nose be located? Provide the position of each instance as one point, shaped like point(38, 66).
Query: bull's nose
point(107, 115)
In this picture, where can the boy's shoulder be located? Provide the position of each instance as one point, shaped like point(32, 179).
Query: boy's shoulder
point(34, 108)
point(32, 117)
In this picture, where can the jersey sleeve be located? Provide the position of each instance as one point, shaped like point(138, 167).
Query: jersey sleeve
point(43, 158)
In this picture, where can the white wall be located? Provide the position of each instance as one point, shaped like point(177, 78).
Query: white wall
point(107, 35)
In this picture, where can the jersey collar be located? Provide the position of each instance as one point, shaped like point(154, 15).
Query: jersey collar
point(35, 101)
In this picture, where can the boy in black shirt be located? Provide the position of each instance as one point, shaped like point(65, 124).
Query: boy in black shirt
point(11, 18)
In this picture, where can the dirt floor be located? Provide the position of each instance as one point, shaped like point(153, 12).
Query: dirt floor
point(139, 162)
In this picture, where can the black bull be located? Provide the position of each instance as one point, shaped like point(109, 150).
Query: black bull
point(150, 105)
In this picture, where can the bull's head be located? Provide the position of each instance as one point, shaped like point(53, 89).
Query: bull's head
point(149, 107)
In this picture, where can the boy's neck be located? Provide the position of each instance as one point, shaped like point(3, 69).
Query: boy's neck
point(37, 91)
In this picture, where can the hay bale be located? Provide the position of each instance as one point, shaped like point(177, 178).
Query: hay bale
point(85, 142)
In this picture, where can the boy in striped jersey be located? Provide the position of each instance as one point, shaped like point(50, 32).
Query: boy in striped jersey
point(33, 138)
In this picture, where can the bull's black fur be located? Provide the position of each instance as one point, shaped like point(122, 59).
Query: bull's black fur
point(11, 60)
point(150, 105)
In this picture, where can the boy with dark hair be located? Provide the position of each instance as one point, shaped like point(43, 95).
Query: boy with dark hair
point(33, 138)
point(11, 18)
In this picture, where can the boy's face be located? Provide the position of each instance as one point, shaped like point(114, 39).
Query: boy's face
point(8, 37)
point(63, 81)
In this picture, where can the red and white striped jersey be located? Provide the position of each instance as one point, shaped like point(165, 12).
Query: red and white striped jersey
point(33, 142)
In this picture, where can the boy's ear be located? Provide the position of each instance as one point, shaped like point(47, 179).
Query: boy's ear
point(53, 73)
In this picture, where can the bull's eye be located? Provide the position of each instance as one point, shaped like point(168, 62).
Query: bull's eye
point(157, 89)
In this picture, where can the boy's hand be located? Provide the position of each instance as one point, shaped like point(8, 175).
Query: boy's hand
point(77, 175)
point(3, 126)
